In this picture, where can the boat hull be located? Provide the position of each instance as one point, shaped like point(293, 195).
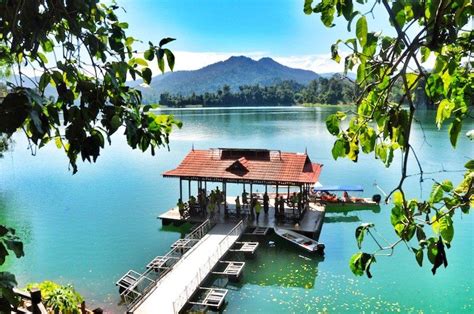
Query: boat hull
point(300, 240)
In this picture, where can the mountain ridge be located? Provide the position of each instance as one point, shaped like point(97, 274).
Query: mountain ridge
point(236, 71)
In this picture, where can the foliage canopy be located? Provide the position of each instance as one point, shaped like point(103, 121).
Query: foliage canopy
point(382, 124)
point(80, 51)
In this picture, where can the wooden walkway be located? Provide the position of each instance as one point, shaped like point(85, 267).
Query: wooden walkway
point(173, 291)
point(310, 225)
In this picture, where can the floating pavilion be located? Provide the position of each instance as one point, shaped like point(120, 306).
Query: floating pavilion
point(177, 280)
point(246, 166)
point(283, 172)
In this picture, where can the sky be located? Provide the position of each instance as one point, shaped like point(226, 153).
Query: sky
point(208, 31)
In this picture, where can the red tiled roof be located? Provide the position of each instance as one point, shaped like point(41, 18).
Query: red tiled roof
point(234, 165)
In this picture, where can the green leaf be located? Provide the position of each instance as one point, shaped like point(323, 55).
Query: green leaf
point(3, 230)
point(469, 165)
point(332, 124)
point(420, 234)
point(16, 246)
point(436, 193)
point(334, 54)
point(418, 256)
point(361, 30)
point(447, 185)
point(355, 264)
point(115, 123)
point(47, 45)
point(7, 280)
point(400, 17)
point(308, 9)
point(360, 263)
point(425, 53)
point(149, 54)
point(45, 79)
point(339, 149)
point(398, 198)
point(141, 62)
point(347, 9)
point(411, 79)
point(432, 250)
point(454, 129)
point(170, 58)
point(367, 140)
point(360, 233)
point(443, 225)
point(445, 108)
point(58, 142)
point(146, 75)
point(160, 58)
point(166, 40)
point(42, 57)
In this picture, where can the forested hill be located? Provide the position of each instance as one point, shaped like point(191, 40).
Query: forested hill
point(233, 72)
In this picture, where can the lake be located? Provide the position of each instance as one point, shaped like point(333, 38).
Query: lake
point(90, 228)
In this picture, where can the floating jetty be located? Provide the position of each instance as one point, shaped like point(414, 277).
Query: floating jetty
point(175, 280)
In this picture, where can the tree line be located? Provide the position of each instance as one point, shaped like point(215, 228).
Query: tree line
point(332, 91)
point(337, 90)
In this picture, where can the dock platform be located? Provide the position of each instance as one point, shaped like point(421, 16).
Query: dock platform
point(175, 289)
point(310, 225)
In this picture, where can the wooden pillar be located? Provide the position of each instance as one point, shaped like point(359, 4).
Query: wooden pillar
point(181, 189)
point(265, 188)
point(250, 205)
point(205, 187)
point(189, 188)
point(288, 192)
point(224, 189)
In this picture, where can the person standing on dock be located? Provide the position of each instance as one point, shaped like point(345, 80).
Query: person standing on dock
point(282, 208)
point(266, 199)
point(218, 195)
point(253, 202)
point(237, 206)
point(180, 205)
point(192, 205)
point(258, 208)
point(244, 198)
point(276, 205)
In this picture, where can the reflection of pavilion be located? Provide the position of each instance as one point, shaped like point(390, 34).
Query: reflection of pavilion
point(282, 265)
point(287, 172)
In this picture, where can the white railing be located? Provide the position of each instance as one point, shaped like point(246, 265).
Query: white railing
point(205, 268)
point(150, 279)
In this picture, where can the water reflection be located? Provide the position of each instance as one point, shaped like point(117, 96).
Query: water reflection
point(278, 263)
point(333, 219)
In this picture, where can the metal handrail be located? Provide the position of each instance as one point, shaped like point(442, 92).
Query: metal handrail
point(205, 268)
point(132, 297)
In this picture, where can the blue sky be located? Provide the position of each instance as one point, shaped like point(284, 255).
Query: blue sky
point(208, 31)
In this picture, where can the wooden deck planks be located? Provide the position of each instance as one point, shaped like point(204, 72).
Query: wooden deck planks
point(311, 223)
point(170, 288)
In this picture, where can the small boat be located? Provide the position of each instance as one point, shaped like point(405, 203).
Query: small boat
point(322, 195)
point(300, 240)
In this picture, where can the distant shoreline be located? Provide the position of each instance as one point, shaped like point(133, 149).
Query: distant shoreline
point(305, 105)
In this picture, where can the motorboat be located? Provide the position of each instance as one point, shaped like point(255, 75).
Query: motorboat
point(300, 240)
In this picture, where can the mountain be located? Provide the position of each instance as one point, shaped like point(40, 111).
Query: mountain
point(235, 72)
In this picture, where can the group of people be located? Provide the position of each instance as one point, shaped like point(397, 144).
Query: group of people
point(208, 205)
point(203, 204)
point(295, 201)
point(253, 206)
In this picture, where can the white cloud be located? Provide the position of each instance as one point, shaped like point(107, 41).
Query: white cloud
point(319, 63)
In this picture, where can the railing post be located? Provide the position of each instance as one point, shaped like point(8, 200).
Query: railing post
point(35, 299)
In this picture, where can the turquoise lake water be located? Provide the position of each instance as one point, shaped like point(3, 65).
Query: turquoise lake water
point(90, 228)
